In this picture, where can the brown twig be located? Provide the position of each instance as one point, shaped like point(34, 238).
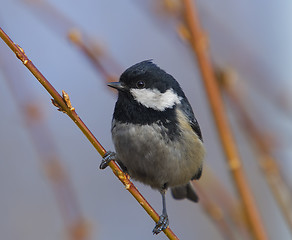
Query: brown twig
point(65, 105)
point(198, 44)
point(75, 224)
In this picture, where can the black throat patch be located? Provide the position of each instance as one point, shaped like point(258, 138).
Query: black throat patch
point(127, 110)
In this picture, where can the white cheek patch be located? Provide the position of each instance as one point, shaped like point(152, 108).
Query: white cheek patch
point(153, 98)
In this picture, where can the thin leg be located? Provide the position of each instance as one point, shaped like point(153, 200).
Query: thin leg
point(163, 219)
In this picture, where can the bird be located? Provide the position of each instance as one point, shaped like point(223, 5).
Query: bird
point(156, 136)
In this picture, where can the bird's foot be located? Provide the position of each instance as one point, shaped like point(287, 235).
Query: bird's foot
point(161, 224)
point(109, 156)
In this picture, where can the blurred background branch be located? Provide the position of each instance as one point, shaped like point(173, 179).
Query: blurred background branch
point(198, 44)
point(264, 143)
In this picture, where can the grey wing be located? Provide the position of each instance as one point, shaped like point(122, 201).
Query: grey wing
point(186, 107)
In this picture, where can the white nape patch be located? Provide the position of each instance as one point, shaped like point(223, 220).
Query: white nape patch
point(153, 98)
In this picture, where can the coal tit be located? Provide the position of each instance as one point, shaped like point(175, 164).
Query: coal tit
point(156, 136)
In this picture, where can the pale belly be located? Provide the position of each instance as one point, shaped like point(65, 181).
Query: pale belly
point(152, 160)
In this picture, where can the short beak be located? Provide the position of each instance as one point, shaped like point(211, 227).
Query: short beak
point(117, 85)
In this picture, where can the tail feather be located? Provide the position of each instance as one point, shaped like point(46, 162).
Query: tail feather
point(185, 191)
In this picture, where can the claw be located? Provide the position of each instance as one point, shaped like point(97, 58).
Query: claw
point(161, 224)
point(109, 156)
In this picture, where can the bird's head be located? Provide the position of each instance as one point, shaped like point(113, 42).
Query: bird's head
point(150, 86)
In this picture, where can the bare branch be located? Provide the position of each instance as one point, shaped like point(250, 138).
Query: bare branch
point(70, 111)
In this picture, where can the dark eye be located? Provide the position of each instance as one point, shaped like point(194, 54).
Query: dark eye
point(140, 84)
